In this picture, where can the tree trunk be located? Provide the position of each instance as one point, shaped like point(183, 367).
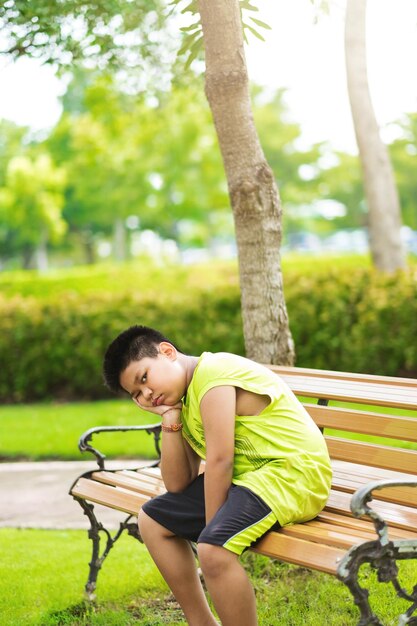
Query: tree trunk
point(27, 257)
point(41, 253)
point(87, 240)
point(252, 189)
point(119, 240)
point(384, 214)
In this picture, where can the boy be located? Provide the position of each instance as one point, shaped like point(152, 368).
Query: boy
point(266, 464)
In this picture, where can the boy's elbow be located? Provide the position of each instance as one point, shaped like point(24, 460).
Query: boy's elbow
point(221, 463)
point(174, 489)
point(177, 485)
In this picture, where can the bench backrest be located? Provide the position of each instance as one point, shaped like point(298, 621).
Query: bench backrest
point(367, 420)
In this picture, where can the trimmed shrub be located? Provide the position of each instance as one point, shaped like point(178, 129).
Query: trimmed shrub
point(350, 320)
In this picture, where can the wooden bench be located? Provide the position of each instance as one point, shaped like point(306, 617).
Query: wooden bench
point(336, 541)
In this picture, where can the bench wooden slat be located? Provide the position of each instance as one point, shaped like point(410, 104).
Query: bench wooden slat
point(396, 515)
point(351, 476)
point(372, 454)
point(351, 388)
point(336, 537)
point(136, 484)
point(152, 471)
point(390, 426)
point(331, 534)
point(371, 473)
point(332, 521)
point(369, 378)
point(354, 392)
point(119, 499)
point(144, 476)
point(300, 552)
point(347, 521)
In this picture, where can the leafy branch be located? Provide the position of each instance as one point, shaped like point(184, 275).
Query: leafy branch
point(193, 43)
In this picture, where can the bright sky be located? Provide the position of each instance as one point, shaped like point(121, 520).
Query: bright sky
point(306, 58)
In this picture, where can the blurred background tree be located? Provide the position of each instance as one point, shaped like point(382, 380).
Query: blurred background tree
point(137, 144)
point(31, 203)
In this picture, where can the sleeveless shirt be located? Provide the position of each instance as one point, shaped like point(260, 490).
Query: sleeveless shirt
point(280, 454)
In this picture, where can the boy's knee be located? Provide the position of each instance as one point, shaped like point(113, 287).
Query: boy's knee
point(214, 559)
point(148, 527)
point(144, 522)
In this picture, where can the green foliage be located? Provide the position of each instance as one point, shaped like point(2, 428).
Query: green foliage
point(157, 159)
point(74, 331)
point(127, 156)
point(356, 320)
point(12, 144)
point(403, 153)
point(352, 320)
point(193, 41)
point(342, 181)
point(31, 203)
point(103, 33)
point(279, 139)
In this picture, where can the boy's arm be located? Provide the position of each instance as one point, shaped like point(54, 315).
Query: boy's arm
point(179, 462)
point(218, 412)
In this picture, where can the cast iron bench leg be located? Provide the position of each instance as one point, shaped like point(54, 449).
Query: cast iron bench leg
point(94, 534)
point(382, 558)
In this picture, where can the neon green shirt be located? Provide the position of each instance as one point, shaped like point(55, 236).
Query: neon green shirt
point(280, 454)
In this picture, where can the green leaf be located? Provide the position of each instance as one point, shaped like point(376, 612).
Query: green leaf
point(194, 50)
point(245, 4)
point(191, 27)
point(191, 8)
point(253, 31)
point(260, 23)
point(189, 41)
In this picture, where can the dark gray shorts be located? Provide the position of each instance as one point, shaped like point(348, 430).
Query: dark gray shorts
point(241, 521)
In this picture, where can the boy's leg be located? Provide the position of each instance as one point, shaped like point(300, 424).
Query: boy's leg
point(176, 562)
point(239, 522)
point(228, 585)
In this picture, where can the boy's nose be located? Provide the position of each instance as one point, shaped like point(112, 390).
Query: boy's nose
point(147, 394)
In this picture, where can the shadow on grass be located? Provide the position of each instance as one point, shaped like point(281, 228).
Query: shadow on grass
point(157, 611)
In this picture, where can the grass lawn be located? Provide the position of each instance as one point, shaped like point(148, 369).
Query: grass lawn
point(42, 574)
point(51, 431)
point(113, 277)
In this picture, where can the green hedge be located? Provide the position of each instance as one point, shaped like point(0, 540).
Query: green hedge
point(351, 320)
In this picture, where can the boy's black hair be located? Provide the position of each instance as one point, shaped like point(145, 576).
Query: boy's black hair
point(132, 344)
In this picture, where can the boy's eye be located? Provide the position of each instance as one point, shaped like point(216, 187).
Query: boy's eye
point(143, 379)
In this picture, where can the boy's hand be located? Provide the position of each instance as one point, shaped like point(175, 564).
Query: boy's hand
point(169, 413)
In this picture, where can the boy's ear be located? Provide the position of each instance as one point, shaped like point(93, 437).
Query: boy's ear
point(167, 349)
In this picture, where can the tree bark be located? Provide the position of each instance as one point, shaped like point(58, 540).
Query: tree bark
point(41, 253)
point(87, 241)
point(252, 189)
point(384, 214)
point(119, 240)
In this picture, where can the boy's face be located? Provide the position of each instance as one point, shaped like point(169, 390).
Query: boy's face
point(156, 381)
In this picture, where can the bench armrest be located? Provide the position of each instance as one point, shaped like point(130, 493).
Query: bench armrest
point(85, 439)
point(359, 503)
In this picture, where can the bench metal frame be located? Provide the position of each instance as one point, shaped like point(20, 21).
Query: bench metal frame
point(97, 527)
